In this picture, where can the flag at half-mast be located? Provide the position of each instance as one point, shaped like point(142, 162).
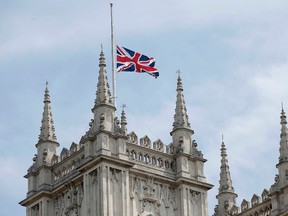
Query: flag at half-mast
point(130, 61)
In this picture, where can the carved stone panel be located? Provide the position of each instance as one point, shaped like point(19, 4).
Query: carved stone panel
point(69, 202)
point(150, 197)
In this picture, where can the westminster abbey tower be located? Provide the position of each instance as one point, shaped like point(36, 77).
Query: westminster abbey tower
point(111, 171)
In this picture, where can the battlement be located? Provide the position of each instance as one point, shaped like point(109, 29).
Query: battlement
point(150, 155)
point(65, 164)
point(257, 206)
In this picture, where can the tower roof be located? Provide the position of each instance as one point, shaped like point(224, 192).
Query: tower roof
point(225, 178)
point(103, 95)
point(181, 119)
point(47, 130)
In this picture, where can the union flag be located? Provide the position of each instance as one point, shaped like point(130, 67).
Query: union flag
point(130, 61)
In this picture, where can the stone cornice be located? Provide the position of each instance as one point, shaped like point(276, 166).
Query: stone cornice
point(93, 161)
point(35, 197)
point(191, 182)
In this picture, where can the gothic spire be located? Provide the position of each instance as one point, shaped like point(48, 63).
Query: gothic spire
point(103, 95)
point(225, 178)
point(47, 130)
point(226, 196)
point(283, 138)
point(181, 117)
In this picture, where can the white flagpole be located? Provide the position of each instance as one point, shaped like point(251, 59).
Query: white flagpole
point(112, 55)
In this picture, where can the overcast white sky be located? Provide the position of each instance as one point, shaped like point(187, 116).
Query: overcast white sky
point(233, 58)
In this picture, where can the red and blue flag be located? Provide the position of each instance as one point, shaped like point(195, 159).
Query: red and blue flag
point(130, 61)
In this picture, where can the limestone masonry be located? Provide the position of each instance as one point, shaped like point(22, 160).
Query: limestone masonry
point(113, 172)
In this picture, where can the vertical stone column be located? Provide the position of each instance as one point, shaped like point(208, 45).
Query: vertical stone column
point(87, 195)
point(110, 197)
point(204, 203)
point(189, 204)
point(124, 193)
point(103, 187)
point(183, 201)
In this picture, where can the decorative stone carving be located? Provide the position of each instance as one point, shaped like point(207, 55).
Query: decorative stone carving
point(158, 145)
point(196, 196)
point(91, 123)
point(88, 133)
point(55, 159)
point(102, 119)
point(172, 197)
point(234, 210)
point(35, 158)
point(195, 151)
point(255, 200)
point(59, 205)
point(244, 205)
point(73, 148)
point(275, 186)
point(134, 186)
point(115, 175)
point(132, 138)
point(45, 154)
point(216, 210)
point(164, 195)
point(226, 208)
point(167, 196)
point(149, 188)
point(69, 202)
point(145, 142)
point(265, 194)
point(117, 127)
point(150, 208)
point(33, 166)
point(181, 146)
point(152, 197)
point(64, 153)
point(170, 148)
point(94, 176)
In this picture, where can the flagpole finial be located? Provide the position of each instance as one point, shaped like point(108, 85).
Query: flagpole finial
point(111, 4)
point(178, 72)
point(101, 47)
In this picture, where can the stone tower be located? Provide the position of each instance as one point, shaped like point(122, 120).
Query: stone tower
point(40, 173)
point(279, 189)
point(112, 172)
point(272, 202)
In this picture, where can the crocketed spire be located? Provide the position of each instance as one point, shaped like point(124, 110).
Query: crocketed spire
point(283, 138)
point(47, 130)
point(226, 196)
point(181, 117)
point(225, 178)
point(103, 95)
